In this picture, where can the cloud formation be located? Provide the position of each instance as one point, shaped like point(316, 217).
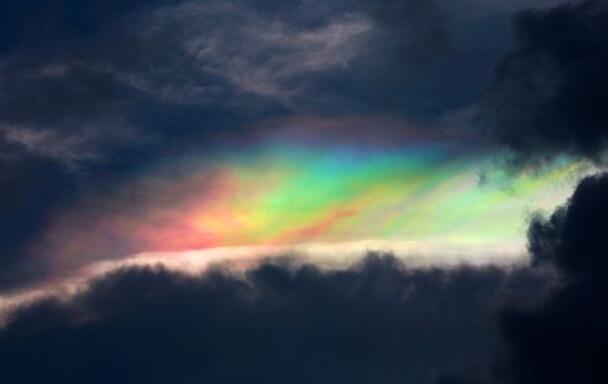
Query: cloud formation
point(547, 95)
point(377, 321)
point(564, 339)
point(95, 97)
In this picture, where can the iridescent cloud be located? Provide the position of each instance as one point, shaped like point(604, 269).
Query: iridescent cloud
point(360, 185)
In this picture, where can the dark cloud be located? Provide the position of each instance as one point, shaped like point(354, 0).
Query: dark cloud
point(574, 237)
point(547, 96)
point(99, 80)
point(547, 101)
point(400, 65)
point(565, 338)
point(85, 75)
point(375, 322)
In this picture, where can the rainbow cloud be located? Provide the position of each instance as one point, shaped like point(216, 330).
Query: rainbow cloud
point(280, 193)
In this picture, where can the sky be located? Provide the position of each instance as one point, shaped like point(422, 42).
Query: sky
point(307, 191)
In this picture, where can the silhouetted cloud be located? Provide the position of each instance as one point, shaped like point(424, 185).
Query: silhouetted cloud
point(375, 322)
point(547, 96)
point(565, 338)
point(573, 238)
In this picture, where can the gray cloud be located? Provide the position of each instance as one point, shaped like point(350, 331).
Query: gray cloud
point(564, 338)
point(375, 322)
point(84, 97)
point(547, 95)
point(266, 57)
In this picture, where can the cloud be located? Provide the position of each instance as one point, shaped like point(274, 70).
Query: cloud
point(564, 339)
point(68, 113)
point(93, 93)
point(48, 144)
point(546, 101)
point(268, 57)
point(377, 321)
point(111, 88)
point(546, 97)
point(573, 237)
point(561, 336)
point(306, 56)
point(90, 89)
point(103, 82)
point(69, 148)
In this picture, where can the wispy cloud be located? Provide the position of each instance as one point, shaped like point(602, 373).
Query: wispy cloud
point(254, 53)
point(50, 144)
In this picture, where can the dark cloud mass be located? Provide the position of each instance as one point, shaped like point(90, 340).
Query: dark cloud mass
point(574, 237)
point(548, 94)
point(565, 339)
point(547, 98)
point(376, 322)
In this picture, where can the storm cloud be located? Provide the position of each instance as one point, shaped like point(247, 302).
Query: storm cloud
point(375, 322)
point(547, 95)
point(565, 338)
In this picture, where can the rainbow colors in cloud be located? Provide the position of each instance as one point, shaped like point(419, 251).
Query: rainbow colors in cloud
point(279, 193)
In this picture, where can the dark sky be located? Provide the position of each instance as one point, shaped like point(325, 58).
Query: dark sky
point(106, 101)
